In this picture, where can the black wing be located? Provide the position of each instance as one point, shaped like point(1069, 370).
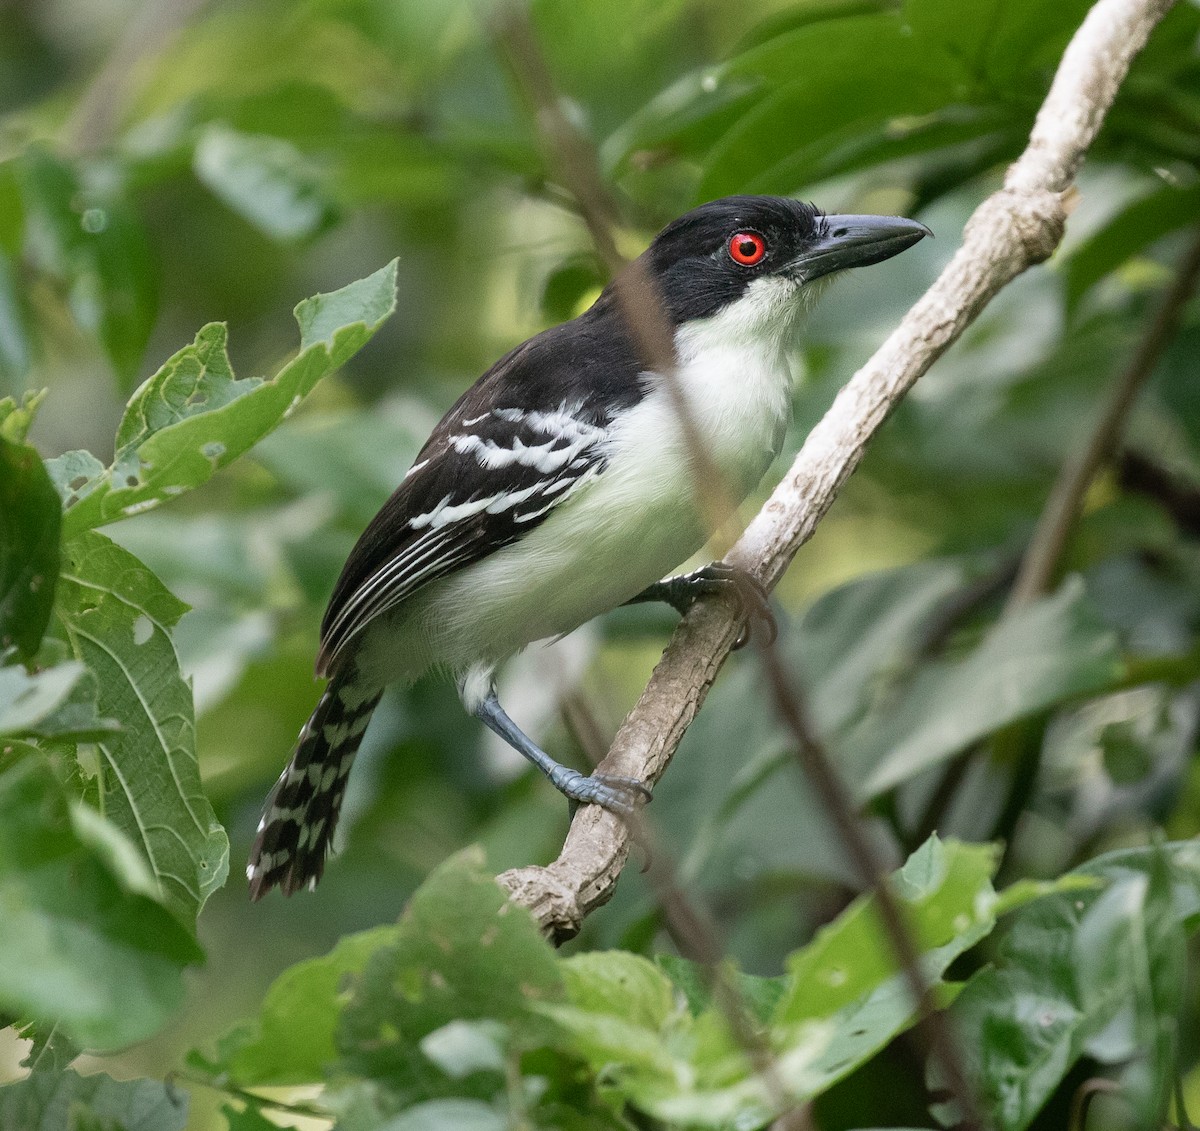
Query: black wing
point(512, 447)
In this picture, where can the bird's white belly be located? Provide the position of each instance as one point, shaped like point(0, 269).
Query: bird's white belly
point(616, 533)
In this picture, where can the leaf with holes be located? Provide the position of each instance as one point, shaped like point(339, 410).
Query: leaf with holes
point(116, 617)
point(461, 952)
point(194, 416)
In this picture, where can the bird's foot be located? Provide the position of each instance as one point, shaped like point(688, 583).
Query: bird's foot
point(731, 583)
point(617, 794)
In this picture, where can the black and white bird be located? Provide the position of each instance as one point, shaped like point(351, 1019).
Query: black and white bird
point(559, 486)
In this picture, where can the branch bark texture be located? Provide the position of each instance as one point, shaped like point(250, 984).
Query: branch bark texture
point(1015, 228)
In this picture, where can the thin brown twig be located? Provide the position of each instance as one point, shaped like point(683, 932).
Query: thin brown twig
point(815, 764)
point(97, 112)
point(633, 287)
point(693, 930)
point(1062, 508)
point(690, 926)
point(1014, 228)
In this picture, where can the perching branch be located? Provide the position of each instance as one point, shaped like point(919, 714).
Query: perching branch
point(1015, 228)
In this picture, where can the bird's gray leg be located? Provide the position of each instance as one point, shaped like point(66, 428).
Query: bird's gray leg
point(717, 579)
point(618, 794)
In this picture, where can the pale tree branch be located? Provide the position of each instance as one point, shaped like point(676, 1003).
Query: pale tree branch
point(1018, 226)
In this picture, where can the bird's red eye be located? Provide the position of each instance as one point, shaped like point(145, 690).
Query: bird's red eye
point(747, 248)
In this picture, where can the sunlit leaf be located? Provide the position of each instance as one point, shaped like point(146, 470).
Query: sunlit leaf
point(844, 998)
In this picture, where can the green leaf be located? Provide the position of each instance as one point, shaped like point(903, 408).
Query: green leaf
point(1051, 651)
point(357, 457)
point(292, 1039)
point(945, 892)
point(16, 419)
point(689, 115)
point(116, 617)
point(1132, 230)
point(838, 77)
point(30, 521)
point(83, 945)
point(193, 416)
point(851, 649)
point(611, 981)
point(845, 998)
point(58, 702)
point(27, 701)
point(1096, 971)
point(266, 180)
point(461, 952)
point(761, 995)
point(1001, 42)
point(249, 1119)
point(807, 12)
point(385, 998)
point(66, 1101)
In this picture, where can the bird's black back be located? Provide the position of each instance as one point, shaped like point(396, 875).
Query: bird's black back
point(589, 364)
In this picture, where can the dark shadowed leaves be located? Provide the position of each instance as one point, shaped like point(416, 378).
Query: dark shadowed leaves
point(1096, 971)
point(87, 236)
point(30, 520)
point(84, 941)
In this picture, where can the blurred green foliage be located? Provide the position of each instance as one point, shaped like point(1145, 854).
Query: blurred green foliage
point(186, 173)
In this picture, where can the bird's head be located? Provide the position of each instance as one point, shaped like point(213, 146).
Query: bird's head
point(763, 253)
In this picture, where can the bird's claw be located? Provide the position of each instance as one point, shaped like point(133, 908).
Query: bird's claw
point(617, 794)
point(746, 592)
point(755, 607)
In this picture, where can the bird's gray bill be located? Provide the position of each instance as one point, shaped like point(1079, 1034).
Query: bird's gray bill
point(856, 241)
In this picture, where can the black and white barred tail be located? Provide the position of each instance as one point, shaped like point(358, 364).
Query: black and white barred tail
point(301, 811)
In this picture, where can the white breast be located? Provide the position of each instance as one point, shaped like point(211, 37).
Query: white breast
point(630, 525)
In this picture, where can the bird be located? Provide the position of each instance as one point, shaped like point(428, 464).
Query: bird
point(560, 486)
